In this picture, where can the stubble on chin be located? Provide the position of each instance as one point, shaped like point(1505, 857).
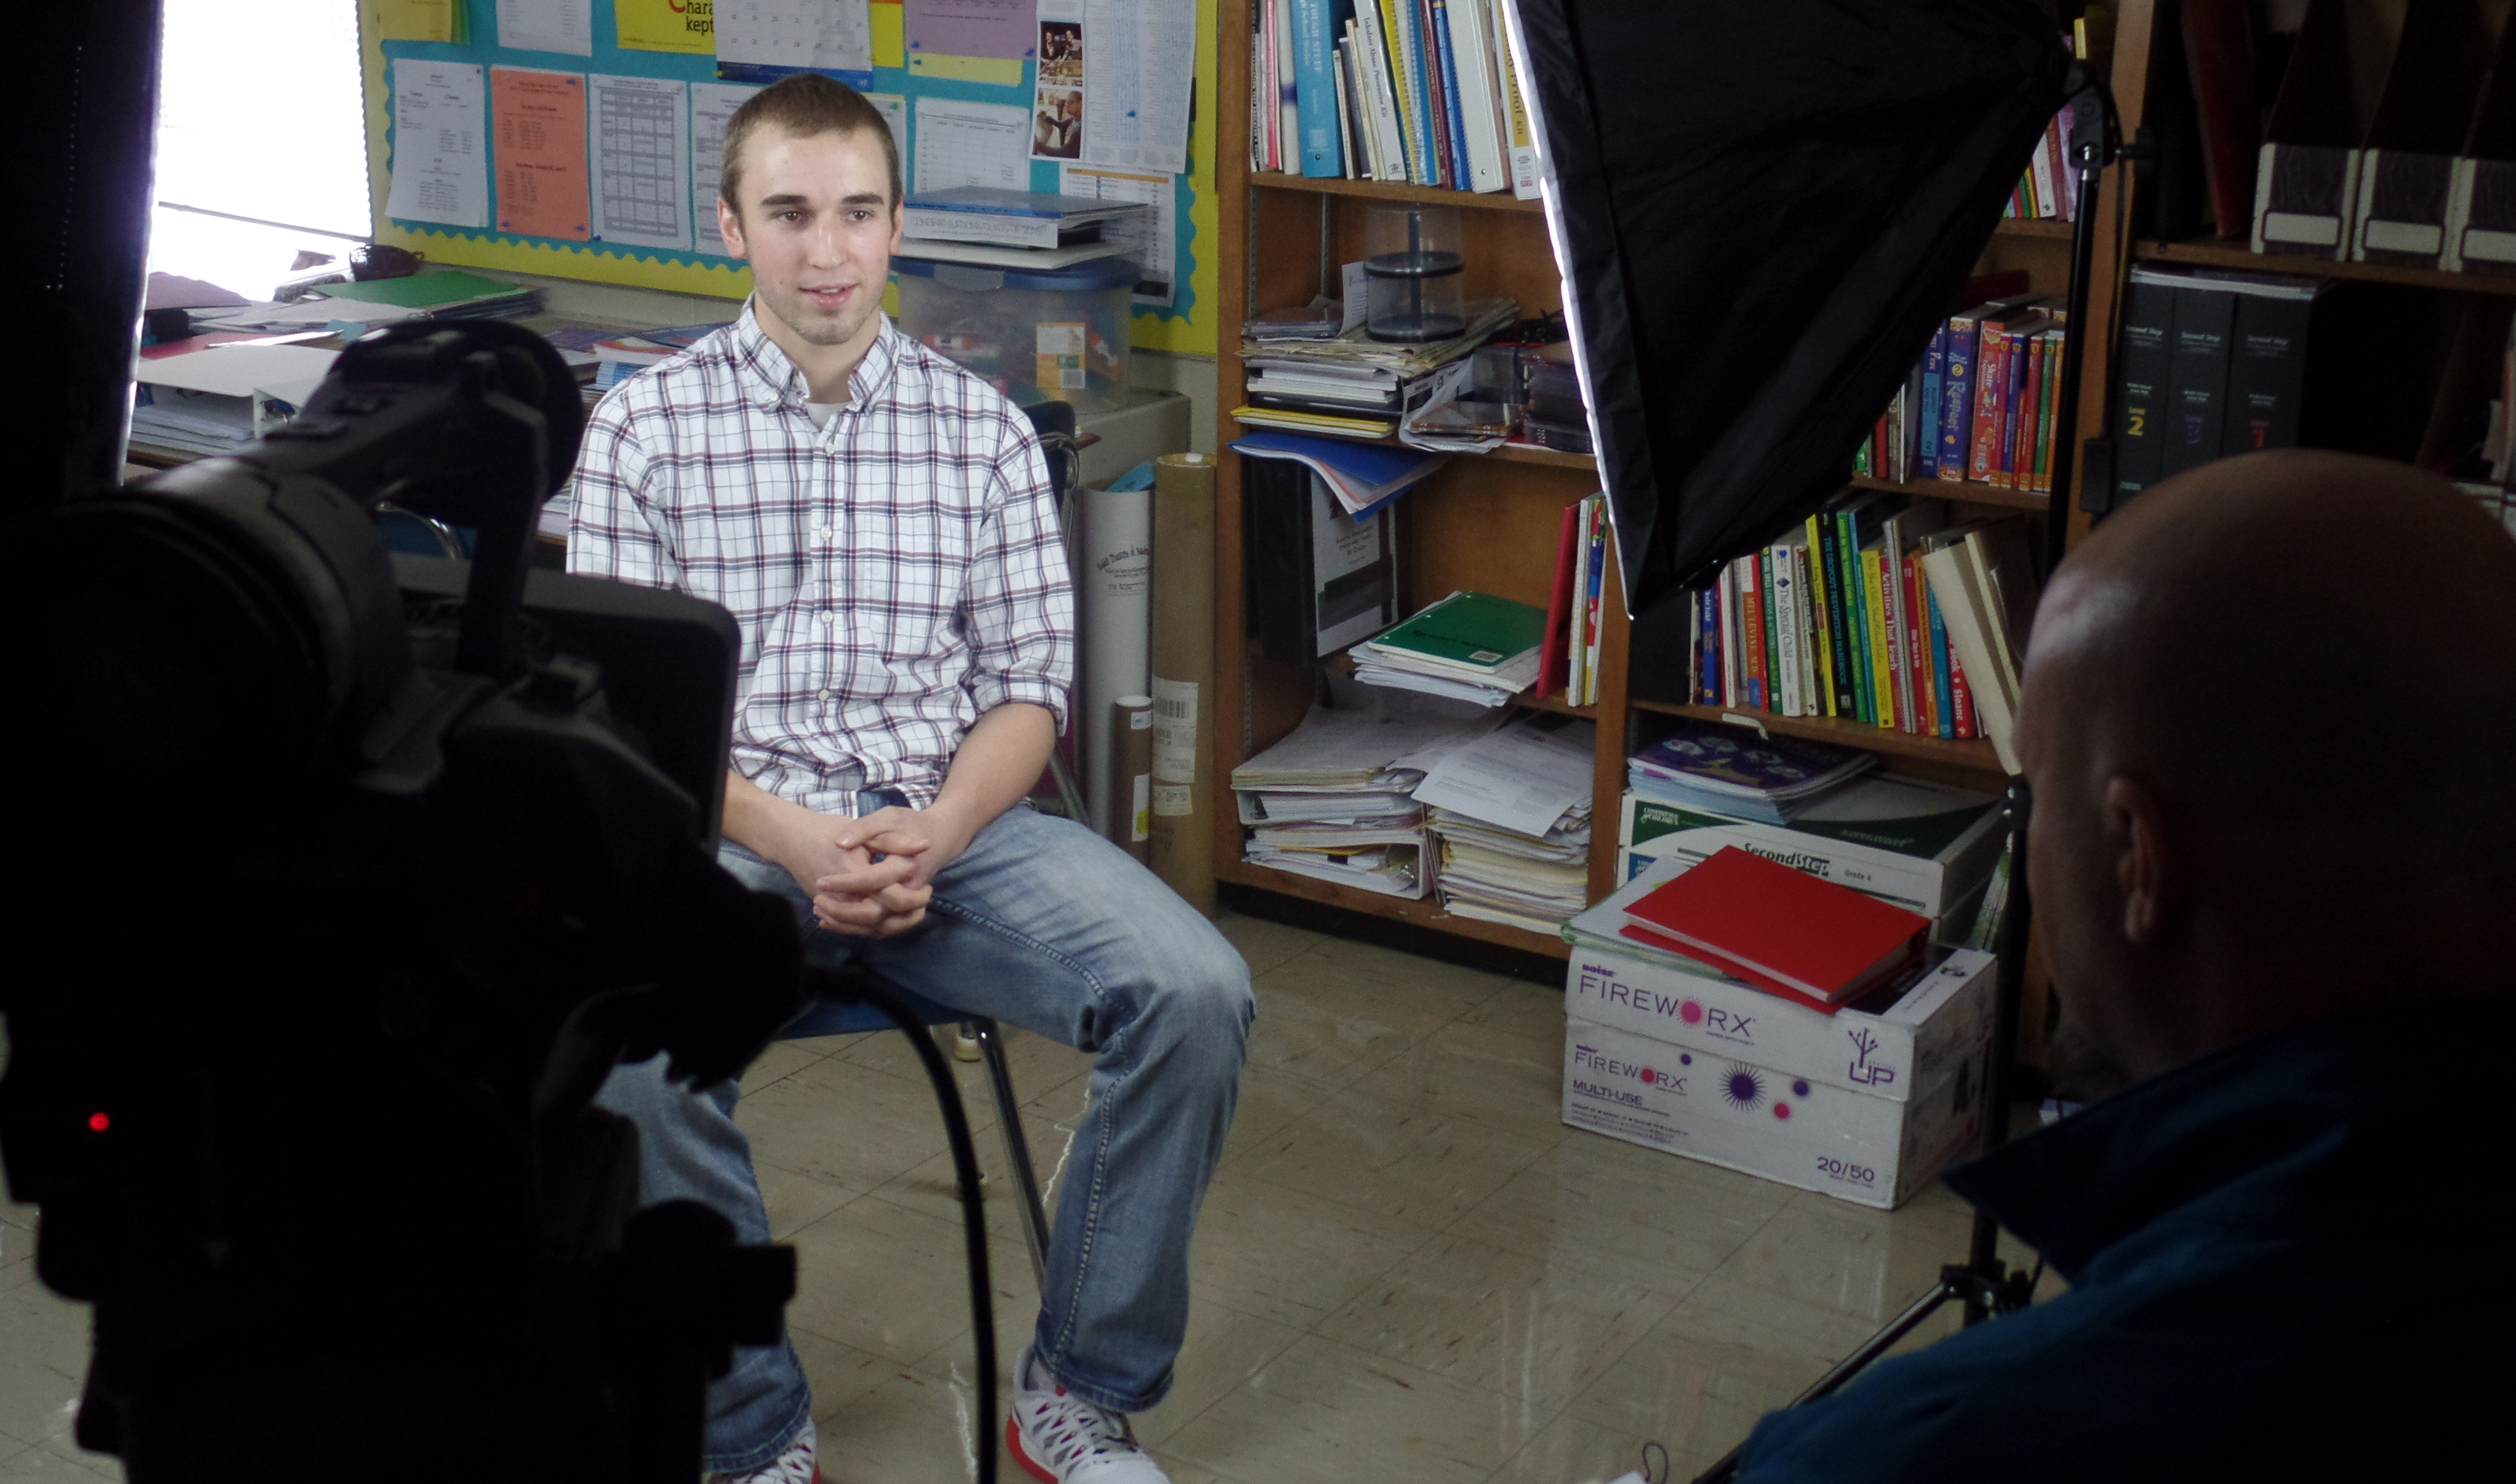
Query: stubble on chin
point(823, 329)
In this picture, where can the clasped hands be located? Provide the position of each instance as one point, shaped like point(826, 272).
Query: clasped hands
point(873, 877)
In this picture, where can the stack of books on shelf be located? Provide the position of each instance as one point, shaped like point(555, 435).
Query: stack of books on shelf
point(1470, 646)
point(1925, 847)
point(1735, 1011)
point(1511, 814)
point(1572, 617)
point(2049, 189)
point(1349, 385)
point(1877, 611)
point(1333, 799)
point(2216, 365)
point(1410, 91)
point(1979, 406)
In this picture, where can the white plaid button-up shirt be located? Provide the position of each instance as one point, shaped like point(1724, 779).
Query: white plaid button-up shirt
point(896, 574)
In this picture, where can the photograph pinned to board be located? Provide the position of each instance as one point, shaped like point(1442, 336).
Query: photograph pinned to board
point(565, 26)
point(1056, 105)
point(1151, 237)
point(539, 128)
point(664, 26)
point(966, 144)
point(440, 172)
point(642, 177)
point(764, 40)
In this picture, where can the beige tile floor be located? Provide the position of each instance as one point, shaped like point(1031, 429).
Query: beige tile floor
point(1407, 1267)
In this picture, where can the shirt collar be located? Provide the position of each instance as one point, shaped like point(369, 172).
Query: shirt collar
point(2248, 1131)
point(775, 380)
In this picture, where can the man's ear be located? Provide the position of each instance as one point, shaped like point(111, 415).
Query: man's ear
point(728, 225)
point(899, 220)
point(2149, 864)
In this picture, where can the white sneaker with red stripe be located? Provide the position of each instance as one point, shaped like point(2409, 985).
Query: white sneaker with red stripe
point(795, 1466)
point(1062, 1439)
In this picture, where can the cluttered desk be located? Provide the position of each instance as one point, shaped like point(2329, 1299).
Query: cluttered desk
point(218, 370)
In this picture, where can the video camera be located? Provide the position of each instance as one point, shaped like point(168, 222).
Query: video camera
point(353, 878)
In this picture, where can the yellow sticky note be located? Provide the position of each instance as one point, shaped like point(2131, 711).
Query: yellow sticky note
point(415, 20)
point(1003, 72)
point(890, 299)
point(666, 26)
point(890, 32)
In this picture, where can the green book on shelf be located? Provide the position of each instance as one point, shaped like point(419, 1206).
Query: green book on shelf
point(1469, 630)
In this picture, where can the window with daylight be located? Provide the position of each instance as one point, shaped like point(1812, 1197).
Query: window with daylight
point(261, 143)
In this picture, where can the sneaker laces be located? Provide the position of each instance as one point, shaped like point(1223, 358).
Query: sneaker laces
point(793, 1467)
point(1071, 1432)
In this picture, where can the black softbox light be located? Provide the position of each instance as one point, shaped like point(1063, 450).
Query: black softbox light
point(1762, 209)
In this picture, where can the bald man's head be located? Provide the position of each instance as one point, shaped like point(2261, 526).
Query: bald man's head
point(2270, 721)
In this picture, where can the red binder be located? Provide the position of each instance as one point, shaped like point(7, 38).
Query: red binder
point(1778, 928)
point(1559, 608)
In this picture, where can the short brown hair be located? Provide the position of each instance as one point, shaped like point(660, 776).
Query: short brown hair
point(804, 105)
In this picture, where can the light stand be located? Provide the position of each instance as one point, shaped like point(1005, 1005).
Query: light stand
point(1983, 1283)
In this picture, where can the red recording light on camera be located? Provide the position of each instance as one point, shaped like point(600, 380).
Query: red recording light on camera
point(98, 1123)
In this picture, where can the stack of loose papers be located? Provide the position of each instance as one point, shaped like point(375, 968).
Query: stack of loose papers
point(1331, 800)
point(1732, 772)
point(1470, 646)
point(1511, 813)
point(201, 403)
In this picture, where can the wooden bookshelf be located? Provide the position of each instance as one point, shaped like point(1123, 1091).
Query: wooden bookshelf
point(2035, 226)
point(1964, 491)
point(2216, 254)
point(1427, 912)
point(1490, 521)
point(1385, 191)
point(1972, 757)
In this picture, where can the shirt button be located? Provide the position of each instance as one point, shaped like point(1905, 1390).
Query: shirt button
point(828, 617)
point(825, 695)
point(827, 532)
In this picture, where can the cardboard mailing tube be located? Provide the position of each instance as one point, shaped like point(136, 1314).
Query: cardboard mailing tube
point(1131, 775)
point(1183, 677)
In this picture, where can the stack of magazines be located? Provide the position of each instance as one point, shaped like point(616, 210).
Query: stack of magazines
point(1348, 385)
point(1331, 800)
point(1727, 772)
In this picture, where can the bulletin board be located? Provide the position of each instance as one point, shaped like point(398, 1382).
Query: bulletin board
point(1187, 324)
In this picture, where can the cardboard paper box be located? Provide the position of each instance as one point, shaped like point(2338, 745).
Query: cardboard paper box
point(1922, 846)
point(1938, 1022)
point(1726, 1111)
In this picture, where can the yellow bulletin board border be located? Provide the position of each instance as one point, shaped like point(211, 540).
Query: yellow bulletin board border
point(1188, 327)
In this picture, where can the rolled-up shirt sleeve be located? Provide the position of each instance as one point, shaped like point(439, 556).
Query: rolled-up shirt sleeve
point(1016, 605)
point(611, 533)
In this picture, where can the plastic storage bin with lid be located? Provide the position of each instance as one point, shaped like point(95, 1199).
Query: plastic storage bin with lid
point(1052, 335)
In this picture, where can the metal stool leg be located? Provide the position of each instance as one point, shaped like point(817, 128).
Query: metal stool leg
point(992, 1046)
point(1068, 795)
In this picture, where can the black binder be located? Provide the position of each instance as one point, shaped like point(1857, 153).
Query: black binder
point(1318, 579)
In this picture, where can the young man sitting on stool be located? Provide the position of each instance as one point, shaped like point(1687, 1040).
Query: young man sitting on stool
point(879, 522)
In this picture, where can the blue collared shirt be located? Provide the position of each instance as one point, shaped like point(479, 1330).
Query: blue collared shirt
point(2289, 1260)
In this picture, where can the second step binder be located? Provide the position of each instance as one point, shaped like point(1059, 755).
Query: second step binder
point(1320, 580)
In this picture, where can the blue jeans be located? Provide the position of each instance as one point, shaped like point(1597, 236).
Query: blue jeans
point(1044, 925)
